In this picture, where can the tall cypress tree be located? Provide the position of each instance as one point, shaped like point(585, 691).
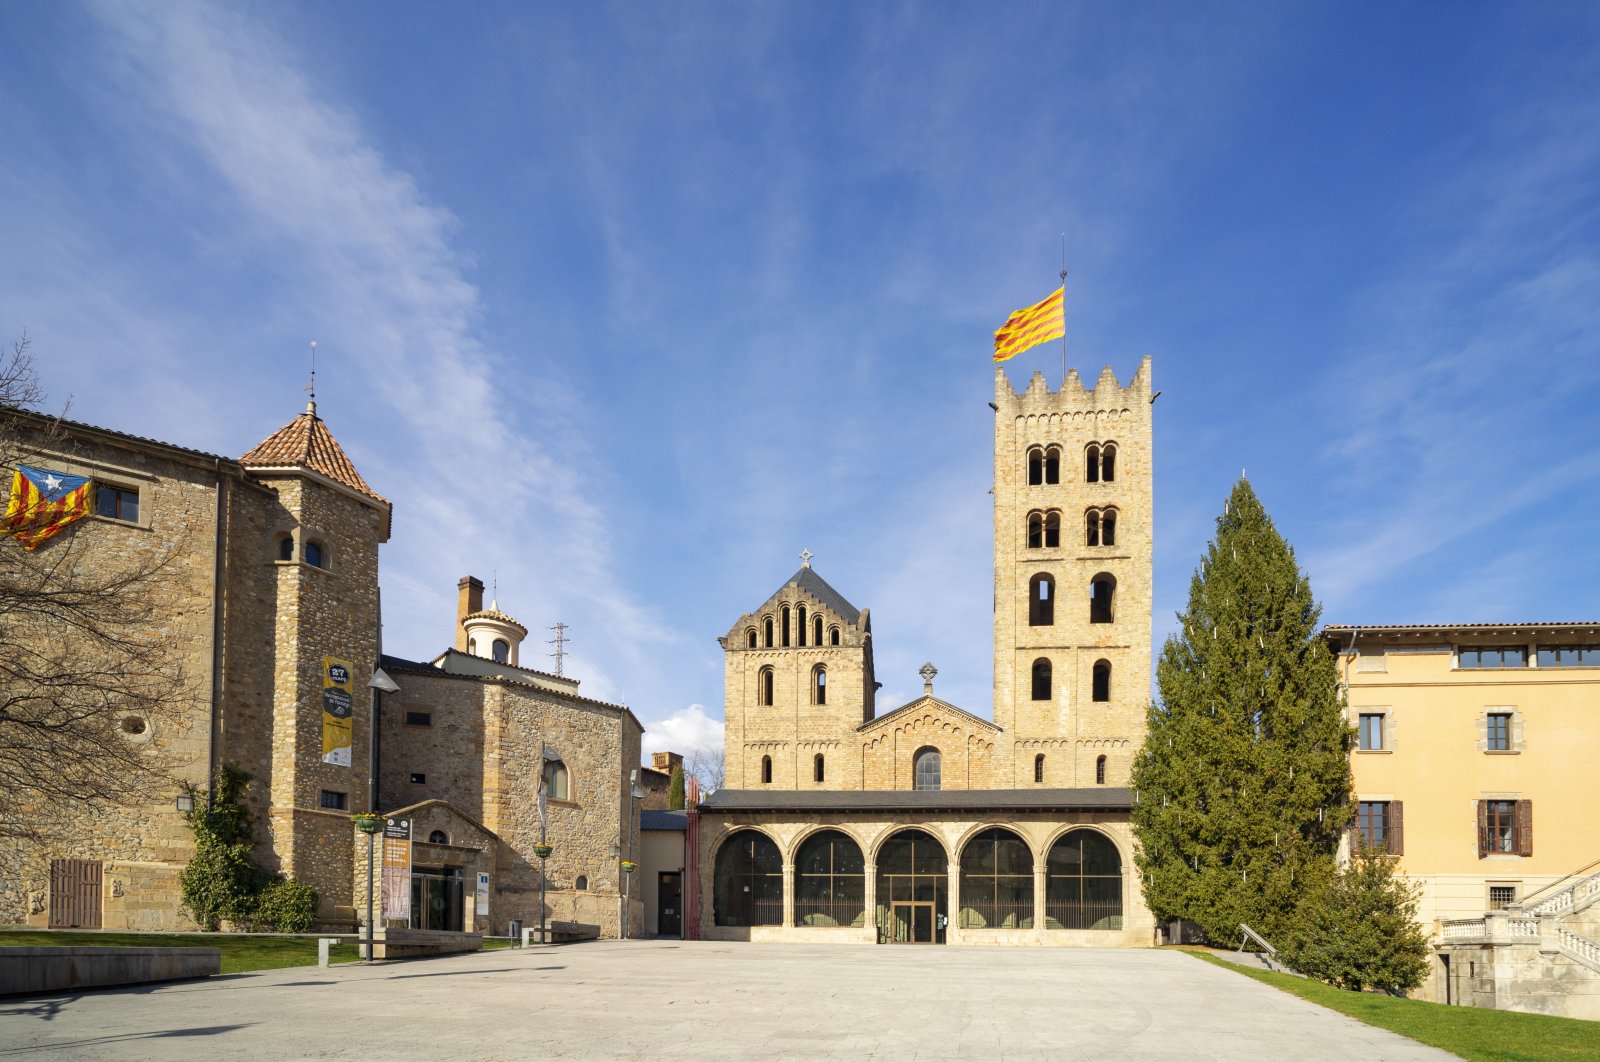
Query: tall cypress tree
point(1243, 782)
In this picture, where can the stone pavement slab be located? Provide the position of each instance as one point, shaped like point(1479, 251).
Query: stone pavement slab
point(703, 1000)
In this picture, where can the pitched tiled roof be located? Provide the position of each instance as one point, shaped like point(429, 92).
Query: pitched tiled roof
point(663, 820)
point(812, 800)
point(306, 442)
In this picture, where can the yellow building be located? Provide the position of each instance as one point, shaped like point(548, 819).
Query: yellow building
point(1475, 766)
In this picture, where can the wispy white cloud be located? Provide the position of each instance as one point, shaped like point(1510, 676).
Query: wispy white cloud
point(688, 731)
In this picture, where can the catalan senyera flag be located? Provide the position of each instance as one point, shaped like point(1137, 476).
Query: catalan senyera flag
point(43, 502)
point(1028, 327)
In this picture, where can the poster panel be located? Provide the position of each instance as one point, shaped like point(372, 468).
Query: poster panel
point(397, 870)
point(338, 704)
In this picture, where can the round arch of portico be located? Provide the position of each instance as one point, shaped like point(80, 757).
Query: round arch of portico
point(722, 838)
point(976, 828)
point(792, 852)
point(889, 832)
point(1061, 831)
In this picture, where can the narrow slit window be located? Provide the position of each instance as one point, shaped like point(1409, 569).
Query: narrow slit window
point(1035, 530)
point(819, 685)
point(766, 770)
point(816, 630)
point(1091, 521)
point(816, 768)
point(1108, 527)
point(1102, 593)
point(1041, 601)
point(750, 638)
point(800, 627)
point(1052, 465)
point(767, 623)
point(1101, 685)
point(1038, 769)
point(1100, 771)
point(1041, 679)
point(1052, 530)
point(786, 626)
point(764, 687)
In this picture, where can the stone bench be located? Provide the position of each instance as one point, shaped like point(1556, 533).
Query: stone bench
point(33, 971)
point(561, 933)
point(418, 943)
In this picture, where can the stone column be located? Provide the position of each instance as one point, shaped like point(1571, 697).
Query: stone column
point(1039, 926)
point(788, 895)
point(871, 922)
point(953, 902)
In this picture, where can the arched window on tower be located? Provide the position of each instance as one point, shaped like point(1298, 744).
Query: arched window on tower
point(1038, 769)
point(1041, 601)
point(286, 548)
point(1102, 680)
point(1108, 527)
point(816, 768)
point(833, 635)
point(1052, 529)
point(750, 638)
point(1091, 463)
point(764, 687)
point(1052, 464)
point(816, 629)
point(925, 769)
point(1102, 592)
point(1041, 679)
point(500, 651)
point(1035, 466)
point(819, 685)
point(316, 556)
point(767, 623)
point(766, 770)
point(785, 626)
point(1035, 530)
point(1091, 527)
point(556, 780)
point(800, 627)
point(1108, 463)
point(1100, 771)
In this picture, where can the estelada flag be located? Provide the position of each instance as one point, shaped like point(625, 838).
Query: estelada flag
point(42, 503)
point(1030, 326)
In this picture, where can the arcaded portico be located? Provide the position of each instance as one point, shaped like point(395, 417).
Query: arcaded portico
point(1023, 867)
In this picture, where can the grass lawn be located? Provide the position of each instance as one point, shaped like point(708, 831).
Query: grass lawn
point(241, 952)
point(1473, 1033)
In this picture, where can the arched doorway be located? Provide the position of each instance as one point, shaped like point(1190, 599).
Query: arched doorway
point(1083, 882)
point(996, 882)
point(748, 890)
point(913, 883)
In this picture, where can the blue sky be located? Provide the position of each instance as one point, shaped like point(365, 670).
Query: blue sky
point(628, 304)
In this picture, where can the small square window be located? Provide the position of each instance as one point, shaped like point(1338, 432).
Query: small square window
point(116, 503)
point(1370, 733)
point(1502, 896)
point(418, 778)
point(335, 801)
point(1498, 732)
point(419, 719)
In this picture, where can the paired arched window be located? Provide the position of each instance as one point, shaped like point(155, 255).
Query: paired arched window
point(800, 627)
point(1100, 688)
point(557, 784)
point(1100, 527)
point(1100, 462)
point(817, 772)
point(316, 556)
point(1044, 529)
point(926, 769)
point(1083, 883)
point(1041, 679)
point(819, 686)
point(830, 883)
point(1038, 769)
point(1102, 594)
point(500, 650)
point(1044, 465)
point(816, 630)
point(750, 638)
point(766, 770)
point(1041, 601)
point(767, 623)
point(764, 679)
point(833, 635)
point(286, 548)
point(996, 882)
point(748, 889)
point(1100, 771)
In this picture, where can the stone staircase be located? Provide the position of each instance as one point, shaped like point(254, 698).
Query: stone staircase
point(1530, 957)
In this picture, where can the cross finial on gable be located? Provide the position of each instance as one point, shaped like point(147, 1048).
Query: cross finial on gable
point(805, 558)
point(927, 671)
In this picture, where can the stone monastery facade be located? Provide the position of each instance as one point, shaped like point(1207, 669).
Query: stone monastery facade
point(270, 586)
point(931, 823)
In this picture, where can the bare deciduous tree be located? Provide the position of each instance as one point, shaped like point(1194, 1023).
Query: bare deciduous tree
point(708, 767)
point(87, 667)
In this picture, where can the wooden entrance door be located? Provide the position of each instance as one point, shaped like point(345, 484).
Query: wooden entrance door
point(74, 894)
point(913, 923)
point(669, 904)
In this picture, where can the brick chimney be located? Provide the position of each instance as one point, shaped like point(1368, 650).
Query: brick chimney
point(468, 601)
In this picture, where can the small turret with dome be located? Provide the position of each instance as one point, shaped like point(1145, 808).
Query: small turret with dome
point(486, 632)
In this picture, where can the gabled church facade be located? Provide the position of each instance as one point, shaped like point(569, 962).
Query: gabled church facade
point(931, 823)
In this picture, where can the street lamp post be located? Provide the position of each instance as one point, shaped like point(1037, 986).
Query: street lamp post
point(369, 824)
point(542, 850)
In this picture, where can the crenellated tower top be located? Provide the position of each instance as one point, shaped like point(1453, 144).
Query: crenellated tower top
point(1106, 396)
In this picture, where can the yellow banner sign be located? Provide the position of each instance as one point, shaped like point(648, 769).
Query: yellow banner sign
point(338, 703)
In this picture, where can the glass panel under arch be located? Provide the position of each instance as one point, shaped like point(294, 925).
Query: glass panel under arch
point(830, 882)
point(1083, 883)
point(996, 882)
point(749, 884)
point(913, 882)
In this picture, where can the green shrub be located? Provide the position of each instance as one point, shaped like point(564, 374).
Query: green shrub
point(287, 907)
point(1360, 930)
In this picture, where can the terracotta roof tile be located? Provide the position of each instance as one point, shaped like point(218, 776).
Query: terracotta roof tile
point(306, 442)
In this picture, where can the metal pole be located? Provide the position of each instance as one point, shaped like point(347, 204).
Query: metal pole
point(541, 899)
point(369, 897)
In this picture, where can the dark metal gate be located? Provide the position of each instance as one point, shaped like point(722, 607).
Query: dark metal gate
point(74, 894)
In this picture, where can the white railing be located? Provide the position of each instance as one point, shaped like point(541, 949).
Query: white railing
point(1579, 894)
point(1464, 929)
point(1523, 927)
point(1578, 947)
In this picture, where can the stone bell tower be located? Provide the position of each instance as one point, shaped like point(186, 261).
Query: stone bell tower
point(1072, 576)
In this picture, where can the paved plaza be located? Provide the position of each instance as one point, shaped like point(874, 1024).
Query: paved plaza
point(672, 999)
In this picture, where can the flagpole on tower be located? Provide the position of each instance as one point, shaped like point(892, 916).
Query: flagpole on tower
point(1063, 309)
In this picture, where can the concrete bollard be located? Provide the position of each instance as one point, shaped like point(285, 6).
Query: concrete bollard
point(322, 949)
